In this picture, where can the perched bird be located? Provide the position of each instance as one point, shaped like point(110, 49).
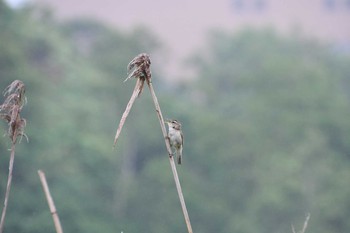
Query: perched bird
point(176, 138)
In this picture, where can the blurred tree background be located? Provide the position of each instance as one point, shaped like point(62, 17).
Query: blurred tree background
point(265, 122)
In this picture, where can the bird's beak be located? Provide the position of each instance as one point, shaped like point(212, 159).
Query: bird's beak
point(167, 121)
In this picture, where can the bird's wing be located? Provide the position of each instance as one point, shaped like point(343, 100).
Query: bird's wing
point(182, 137)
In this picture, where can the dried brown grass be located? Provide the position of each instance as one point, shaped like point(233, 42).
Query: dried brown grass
point(10, 112)
point(304, 226)
point(50, 202)
point(139, 68)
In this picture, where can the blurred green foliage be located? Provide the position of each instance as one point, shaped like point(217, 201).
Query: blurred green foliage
point(265, 122)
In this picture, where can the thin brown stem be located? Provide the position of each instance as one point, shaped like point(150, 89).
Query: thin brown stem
point(305, 223)
point(137, 91)
point(304, 226)
point(171, 158)
point(8, 187)
point(52, 206)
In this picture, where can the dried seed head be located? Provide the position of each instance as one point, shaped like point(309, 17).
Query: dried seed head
point(139, 67)
point(11, 108)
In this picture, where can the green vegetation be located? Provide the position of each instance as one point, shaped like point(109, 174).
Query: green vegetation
point(265, 122)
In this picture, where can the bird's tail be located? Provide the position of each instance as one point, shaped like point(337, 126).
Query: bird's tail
point(179, 156)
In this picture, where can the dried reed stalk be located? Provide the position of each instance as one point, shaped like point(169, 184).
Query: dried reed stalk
point(10, 112)
point(140, 67)
point(171, 157)
point(52, 206)
point(304, 226)
point(135, 69)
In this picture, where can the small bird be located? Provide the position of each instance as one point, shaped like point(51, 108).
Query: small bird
point(176, 138)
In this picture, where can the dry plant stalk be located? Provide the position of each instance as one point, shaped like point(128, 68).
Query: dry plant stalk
point(304, 226)
point(52, 206)
point(140, 67)
point(171, 157)
point(10, 112)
